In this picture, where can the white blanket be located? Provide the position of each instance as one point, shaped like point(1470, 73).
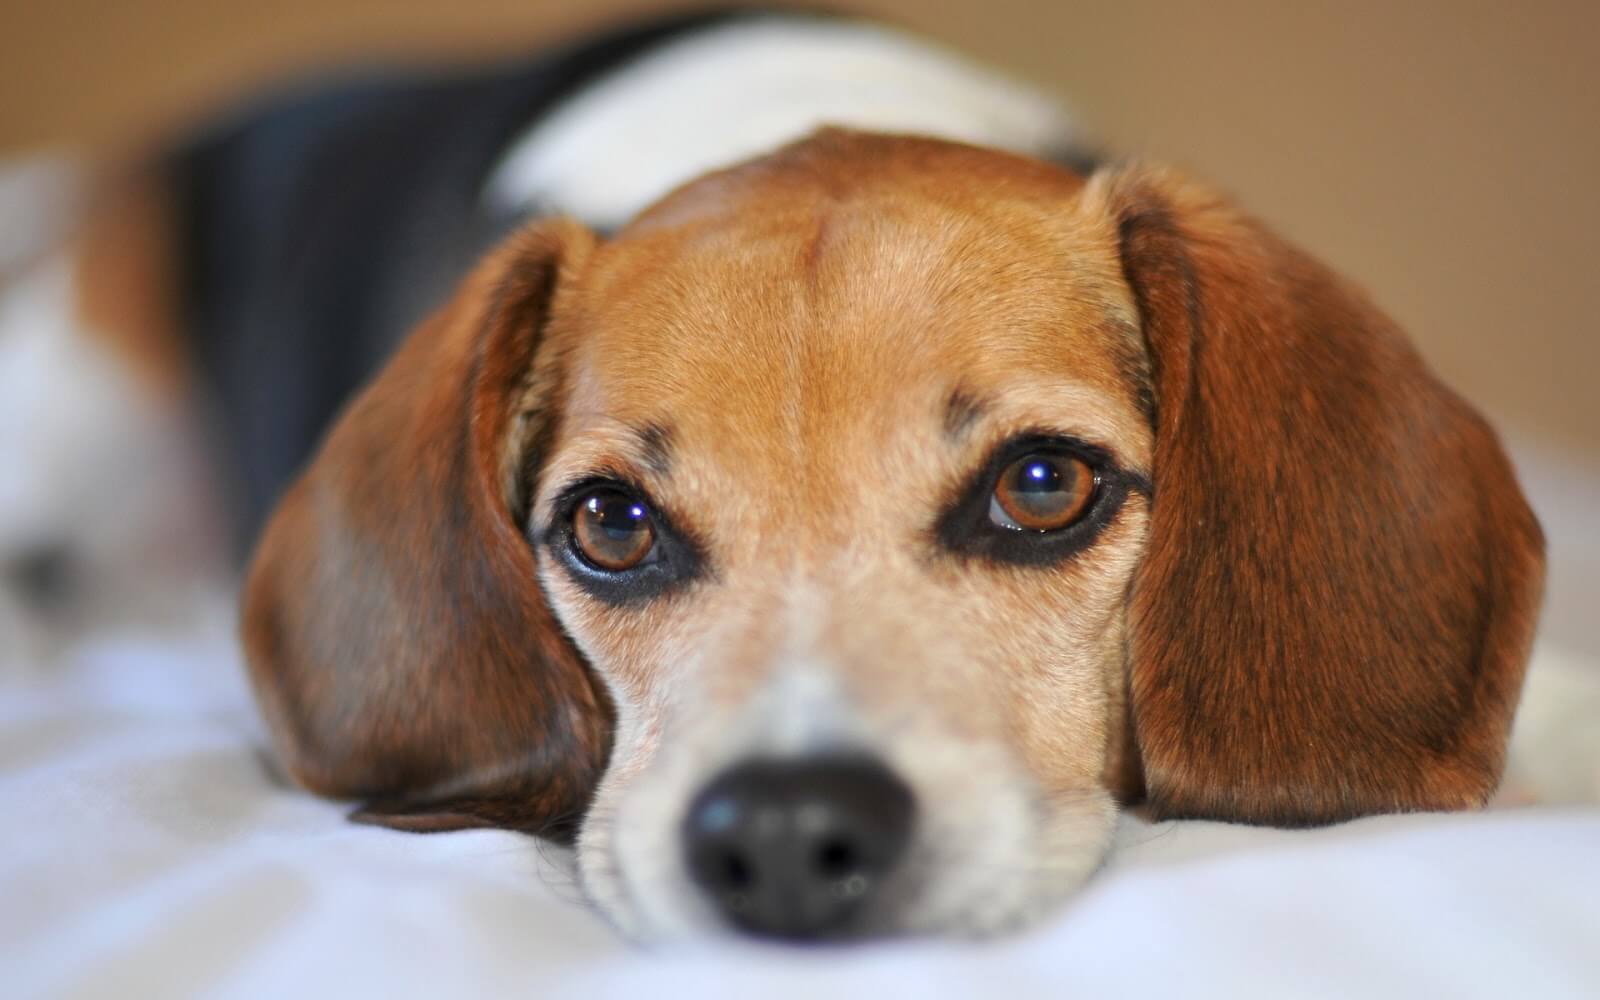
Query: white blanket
point(146, 850)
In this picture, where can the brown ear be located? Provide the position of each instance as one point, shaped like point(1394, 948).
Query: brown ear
point(1342, 578)
point(396, 633)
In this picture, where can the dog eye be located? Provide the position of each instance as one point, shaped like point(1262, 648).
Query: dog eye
point(1039, 500)
point(617, 544)
point(1042, 492)
point(612, 530)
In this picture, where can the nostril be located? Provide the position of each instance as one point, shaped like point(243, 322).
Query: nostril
point(736, 871)
point(836, 859)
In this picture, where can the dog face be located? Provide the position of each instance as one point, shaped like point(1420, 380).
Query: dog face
point(817, 399)
point(843, 539)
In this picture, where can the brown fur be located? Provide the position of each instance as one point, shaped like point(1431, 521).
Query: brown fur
point(397, 637)
point(1340, 592)
point(125, 280)
point(1323, 612)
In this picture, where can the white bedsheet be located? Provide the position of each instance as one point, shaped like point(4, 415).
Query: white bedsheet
point(146, 851)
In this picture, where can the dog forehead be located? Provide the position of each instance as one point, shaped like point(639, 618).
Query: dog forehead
point(843, 166)
point(793, 291)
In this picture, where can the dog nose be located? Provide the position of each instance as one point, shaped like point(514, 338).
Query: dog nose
point(792, 848)
point(43, 574)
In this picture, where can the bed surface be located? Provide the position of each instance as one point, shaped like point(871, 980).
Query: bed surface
point(148, 850)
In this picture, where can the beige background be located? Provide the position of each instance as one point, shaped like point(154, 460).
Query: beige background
point(1445, 154)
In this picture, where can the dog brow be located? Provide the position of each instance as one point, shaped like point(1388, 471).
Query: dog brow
point(655, 447)
point(961, 409)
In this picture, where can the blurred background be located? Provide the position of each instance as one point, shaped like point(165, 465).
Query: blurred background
point(1444, 154)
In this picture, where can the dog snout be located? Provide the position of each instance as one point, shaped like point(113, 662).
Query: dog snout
point(793, 848)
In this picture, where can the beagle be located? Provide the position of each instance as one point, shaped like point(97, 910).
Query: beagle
point(829, 531)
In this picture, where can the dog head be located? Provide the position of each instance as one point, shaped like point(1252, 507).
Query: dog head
point(833, 549)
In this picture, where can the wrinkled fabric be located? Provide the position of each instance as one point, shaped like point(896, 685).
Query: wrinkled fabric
point(148, 849)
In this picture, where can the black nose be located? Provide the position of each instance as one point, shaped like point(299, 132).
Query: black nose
point(794, 848)
point(44, 575)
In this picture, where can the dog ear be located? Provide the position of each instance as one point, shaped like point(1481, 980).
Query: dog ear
point(1342, 577)
point(396, 633)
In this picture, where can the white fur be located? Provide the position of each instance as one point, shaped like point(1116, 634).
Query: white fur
point(40, 196)
point(1555, 742)
point(91, 460)
point(986, 857)
point(726, 94)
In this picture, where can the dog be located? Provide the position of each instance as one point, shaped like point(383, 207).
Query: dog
point(830, 531)
point(186, 319)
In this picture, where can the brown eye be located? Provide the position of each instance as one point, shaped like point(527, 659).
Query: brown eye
point(613, 530)
point(1042, 493)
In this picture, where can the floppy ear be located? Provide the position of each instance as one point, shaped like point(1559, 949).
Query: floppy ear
point(1342, 577)
point(397, 637)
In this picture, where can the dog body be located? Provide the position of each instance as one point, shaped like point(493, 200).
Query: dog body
point(321, 228)
point(262, 268)
point(832, 541)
